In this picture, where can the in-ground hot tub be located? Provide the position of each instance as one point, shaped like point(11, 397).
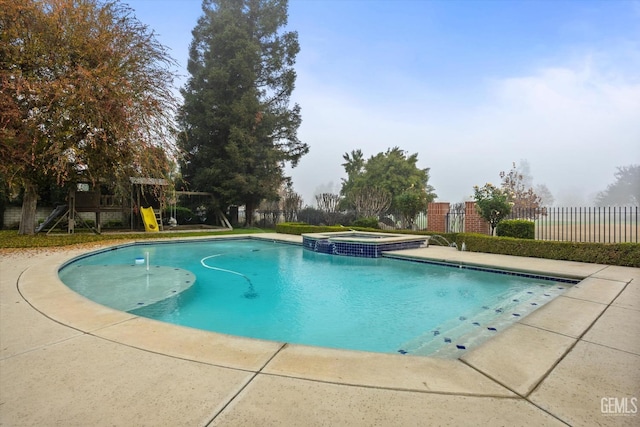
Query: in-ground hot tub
point(360, 243)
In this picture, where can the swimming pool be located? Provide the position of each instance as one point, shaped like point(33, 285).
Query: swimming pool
point(281, 292)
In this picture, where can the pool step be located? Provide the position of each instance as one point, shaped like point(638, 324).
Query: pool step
point(453, 338)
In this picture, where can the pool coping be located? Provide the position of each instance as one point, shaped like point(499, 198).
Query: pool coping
point(494, 369)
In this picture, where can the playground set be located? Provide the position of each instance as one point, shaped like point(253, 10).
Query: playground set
point(145, 208)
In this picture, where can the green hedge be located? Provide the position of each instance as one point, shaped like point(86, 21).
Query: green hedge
point(624, 254)
point(183, 215)
point(519, 228)
point(369, 222)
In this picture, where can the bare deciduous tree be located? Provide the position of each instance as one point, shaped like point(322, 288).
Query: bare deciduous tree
point(371, 202)
point(328, 203)
point(291, 205)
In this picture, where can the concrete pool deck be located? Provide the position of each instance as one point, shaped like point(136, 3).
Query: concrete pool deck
point(65, 360)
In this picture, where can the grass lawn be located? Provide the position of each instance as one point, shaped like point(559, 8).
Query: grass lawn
point(10, 239)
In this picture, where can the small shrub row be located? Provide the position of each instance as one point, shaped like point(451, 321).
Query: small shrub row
point(370, 222)
point(518, 228)
point(624, 254)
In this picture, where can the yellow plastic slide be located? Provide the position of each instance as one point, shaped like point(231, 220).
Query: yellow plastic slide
point(149, 219)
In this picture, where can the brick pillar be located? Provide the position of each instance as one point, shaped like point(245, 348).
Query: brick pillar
point(437, 217)
point(473, 222)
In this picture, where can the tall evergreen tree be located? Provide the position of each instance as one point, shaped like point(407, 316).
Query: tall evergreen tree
point(238, 127)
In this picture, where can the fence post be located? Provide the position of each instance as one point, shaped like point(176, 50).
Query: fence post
point(437, 216)
point(473, 222)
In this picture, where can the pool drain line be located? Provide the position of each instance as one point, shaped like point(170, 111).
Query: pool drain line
point(250, 294)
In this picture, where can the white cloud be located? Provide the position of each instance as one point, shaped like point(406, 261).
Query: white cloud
point(574, 124)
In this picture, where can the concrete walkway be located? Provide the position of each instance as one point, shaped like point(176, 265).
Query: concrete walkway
point(66, 361)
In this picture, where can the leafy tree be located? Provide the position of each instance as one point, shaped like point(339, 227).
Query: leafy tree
point(493, 203)
point(238, 127)
point(625, 190)
point(392, 171)
point(85, 95)
point(518, 187)
point(354, 167)
point(409, 204)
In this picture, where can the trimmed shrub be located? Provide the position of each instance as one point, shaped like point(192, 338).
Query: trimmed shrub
point(369, 222)
point(518, 228)
point(183, 215)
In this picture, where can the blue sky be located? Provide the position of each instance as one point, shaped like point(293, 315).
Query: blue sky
point(470, 85)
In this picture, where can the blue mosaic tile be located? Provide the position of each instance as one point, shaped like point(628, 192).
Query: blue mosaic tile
point(357, 249)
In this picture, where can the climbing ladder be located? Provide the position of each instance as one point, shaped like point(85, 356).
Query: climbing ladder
point(158, 213)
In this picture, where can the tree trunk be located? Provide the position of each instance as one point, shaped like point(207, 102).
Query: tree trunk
point(249, 208)
point(28, 214)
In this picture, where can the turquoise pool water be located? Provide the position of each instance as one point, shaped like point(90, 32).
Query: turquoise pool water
point(281, 292)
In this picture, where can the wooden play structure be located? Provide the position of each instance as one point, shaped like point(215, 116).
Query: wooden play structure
point(147, 203)
point(145, 193)
point(80, 201)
